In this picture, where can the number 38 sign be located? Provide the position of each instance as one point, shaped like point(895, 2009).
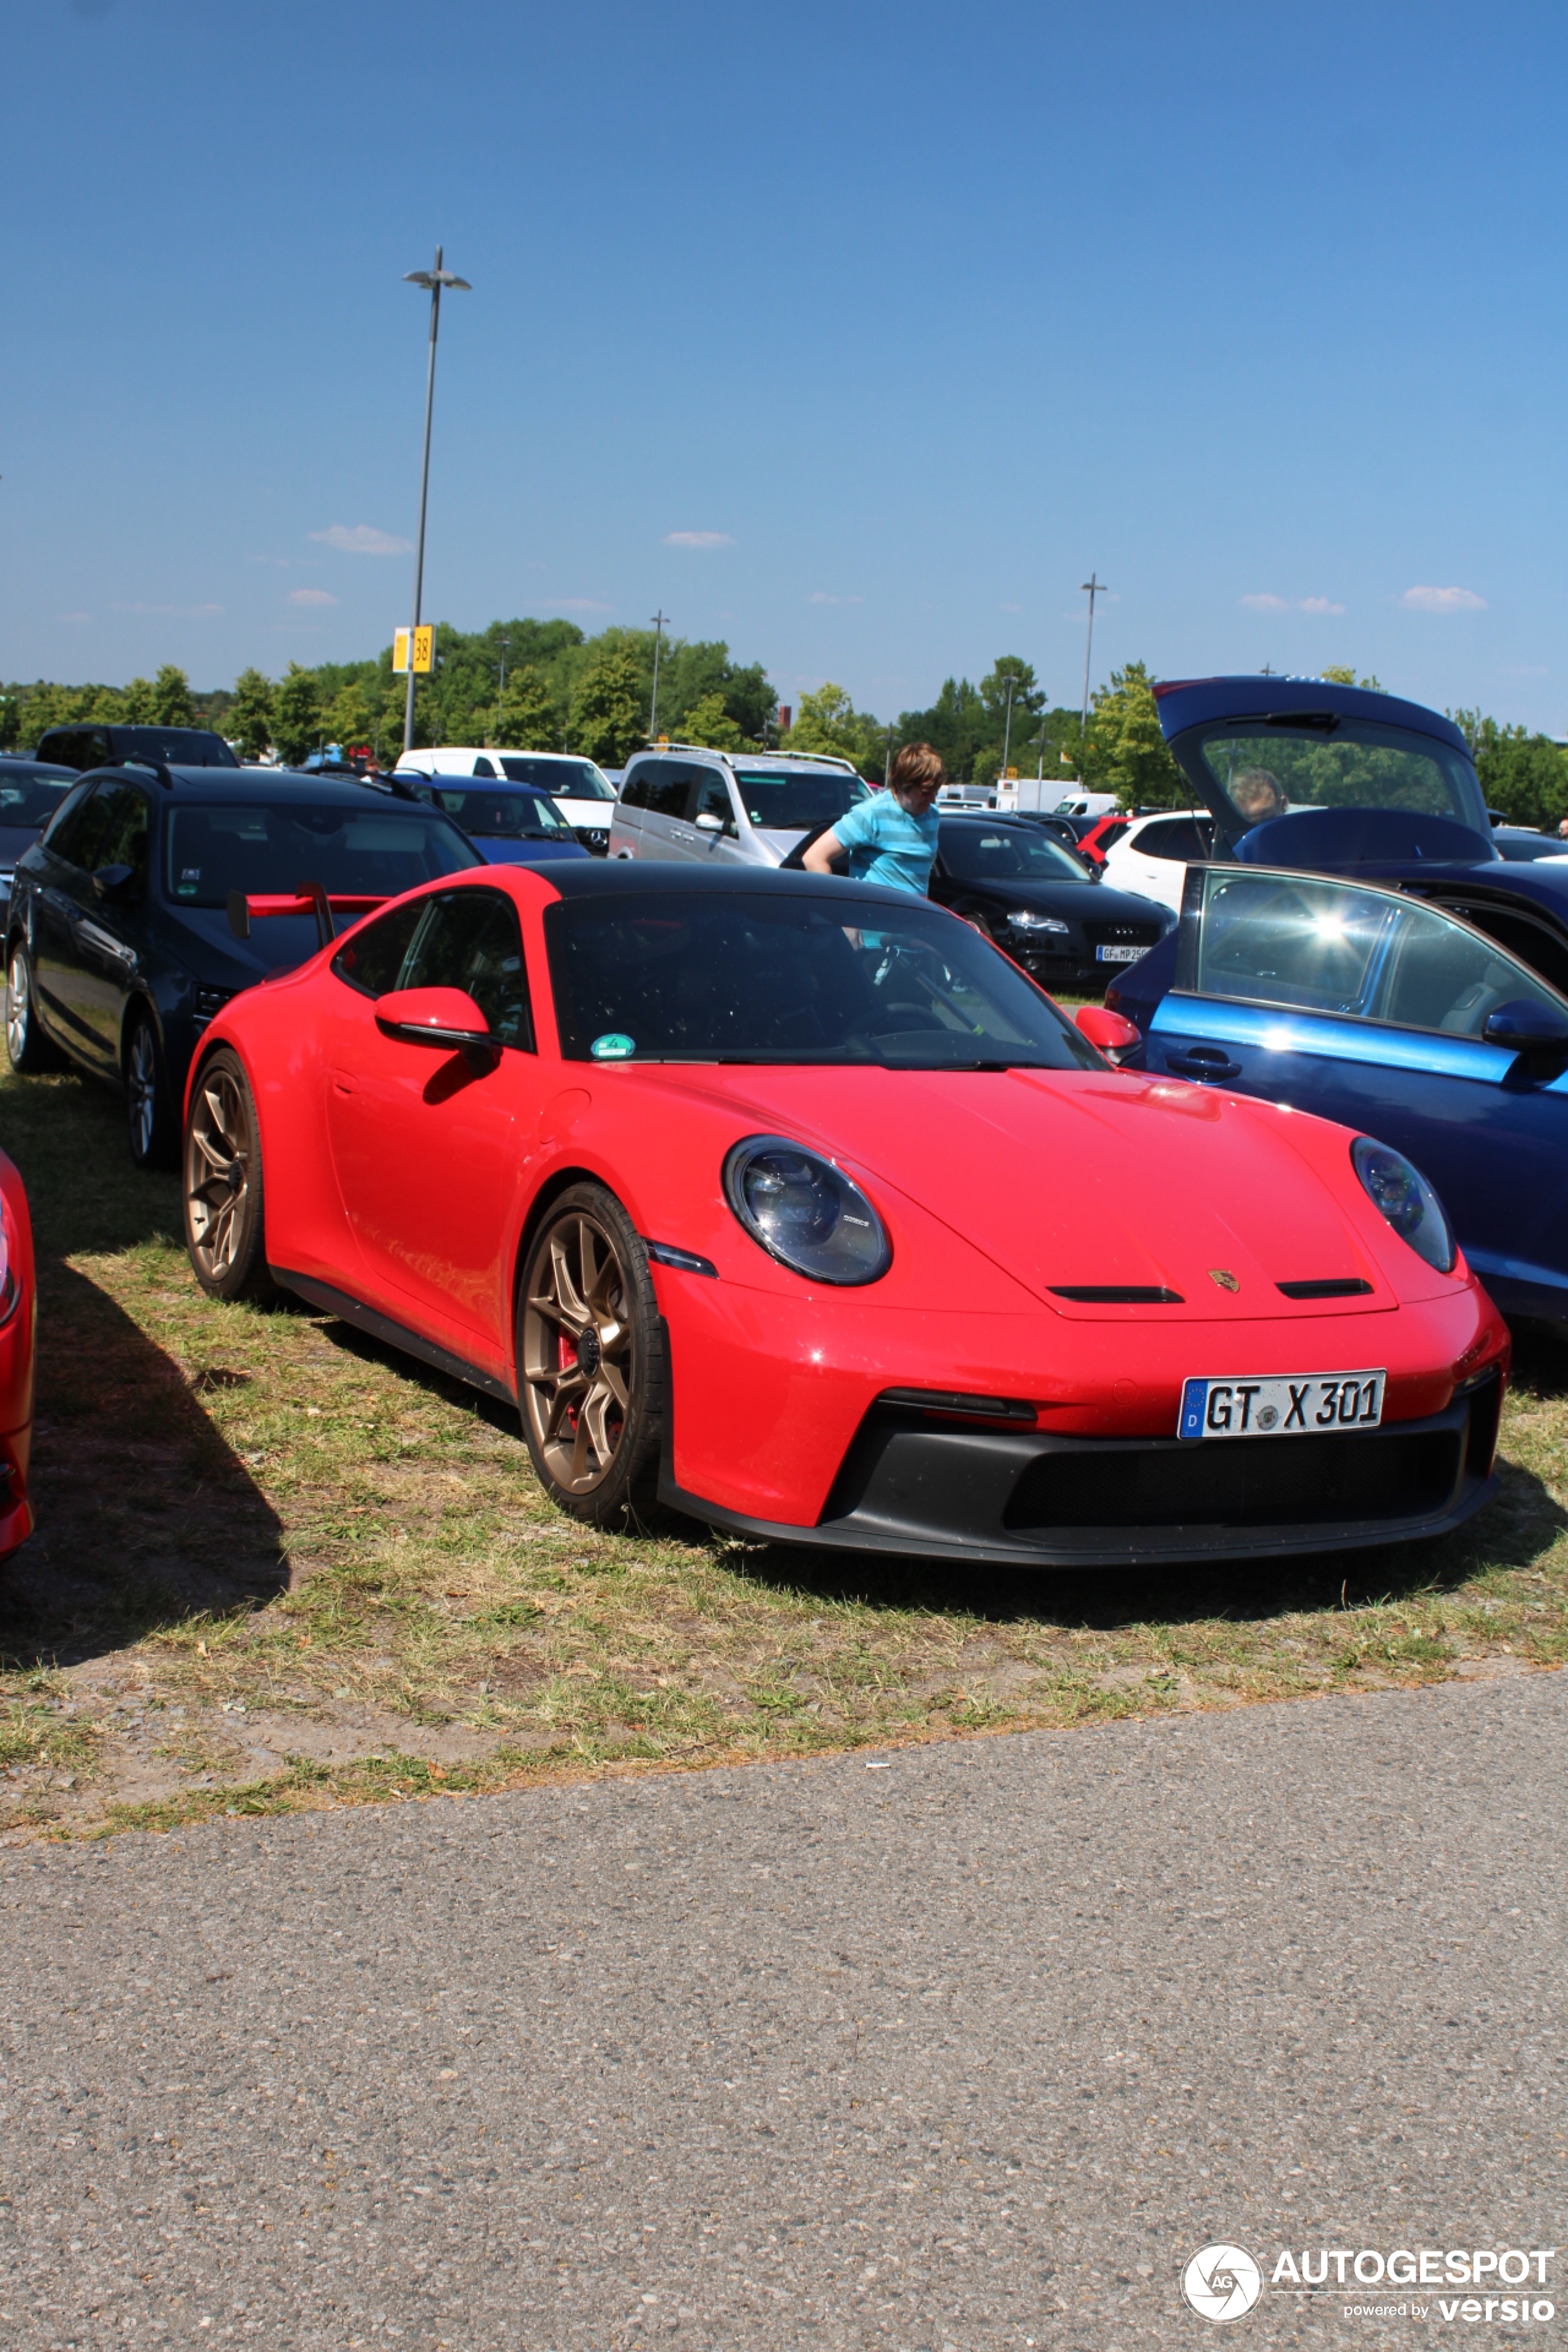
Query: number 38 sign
point(424, 651)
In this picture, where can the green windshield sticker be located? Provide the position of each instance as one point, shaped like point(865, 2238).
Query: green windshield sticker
point(613, 1047)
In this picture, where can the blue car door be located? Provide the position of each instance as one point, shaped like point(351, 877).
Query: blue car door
point(1367, 1007)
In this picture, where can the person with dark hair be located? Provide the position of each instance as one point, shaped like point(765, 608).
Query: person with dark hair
point(891, 838)
point(1257, 794)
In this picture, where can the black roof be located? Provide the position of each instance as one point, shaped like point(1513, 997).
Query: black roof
point(269, 787)
point(627, 877)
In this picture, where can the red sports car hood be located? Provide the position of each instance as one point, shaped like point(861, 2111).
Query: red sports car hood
point(1094, 1181)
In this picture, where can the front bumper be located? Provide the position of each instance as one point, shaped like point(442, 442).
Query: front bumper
point(923, 1485)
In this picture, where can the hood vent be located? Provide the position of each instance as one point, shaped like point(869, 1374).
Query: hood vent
point(1341, 1287)
point(1116, 1294)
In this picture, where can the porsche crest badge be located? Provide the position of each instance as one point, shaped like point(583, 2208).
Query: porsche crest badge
point(1222, 1275)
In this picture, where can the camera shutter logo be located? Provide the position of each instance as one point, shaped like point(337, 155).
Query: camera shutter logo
point(1222, 2283)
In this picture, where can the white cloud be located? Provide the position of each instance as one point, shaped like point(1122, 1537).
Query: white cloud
point(361, 539)
point(821, 596)
point(576, 604)
point(1265, 604)
point(1443, 600)
point(1319, 604)
point(311, 596)
point(73, 620)
point(698, 539)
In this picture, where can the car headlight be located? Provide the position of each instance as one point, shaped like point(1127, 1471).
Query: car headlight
point(1023, 921)
point(804, 1211)
point(1404, 1196)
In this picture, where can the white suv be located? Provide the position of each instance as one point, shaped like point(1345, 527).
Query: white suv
point(581, 790)
point(729, 808)
point(1150, 857)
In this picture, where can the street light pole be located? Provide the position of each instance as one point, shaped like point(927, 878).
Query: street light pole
point(660, 620)
point(501, 690)
point(1007, 730)
point(435, 280)
point(1093, 586)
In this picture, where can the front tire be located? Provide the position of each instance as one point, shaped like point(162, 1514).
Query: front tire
point(593, 1376)
point(29, 1052)
point(226, 1232)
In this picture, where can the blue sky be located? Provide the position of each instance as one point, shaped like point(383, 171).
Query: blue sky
point(855, 333)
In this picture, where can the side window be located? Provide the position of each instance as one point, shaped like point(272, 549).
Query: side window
point(483, 767)
point(66, 826)
point(80, 839)
point(373, 957)
point(669, 788)
point(1175, 838)
point(1328, 947)
point(126, 820)
point(471, 939)
point(713, 798)
point(634, 792)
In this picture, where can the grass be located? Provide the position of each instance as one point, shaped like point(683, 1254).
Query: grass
point(277, 1567)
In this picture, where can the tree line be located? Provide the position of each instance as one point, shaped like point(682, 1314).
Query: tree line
point(565, 691)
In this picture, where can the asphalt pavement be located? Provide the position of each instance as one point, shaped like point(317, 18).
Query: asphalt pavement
point(972, 2050)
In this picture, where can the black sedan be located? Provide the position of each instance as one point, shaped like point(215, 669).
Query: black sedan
point(30, 793)
point(1031, 894)
point(133, 919)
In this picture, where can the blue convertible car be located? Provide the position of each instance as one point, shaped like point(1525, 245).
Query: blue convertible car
point(1358, 951)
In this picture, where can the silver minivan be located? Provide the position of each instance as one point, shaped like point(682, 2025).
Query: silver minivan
point(741, 808)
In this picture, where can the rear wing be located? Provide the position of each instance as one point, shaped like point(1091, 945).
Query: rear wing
point(305, 898)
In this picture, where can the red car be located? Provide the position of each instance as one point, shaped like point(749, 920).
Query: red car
point(18, 1340)
point(765, 1192)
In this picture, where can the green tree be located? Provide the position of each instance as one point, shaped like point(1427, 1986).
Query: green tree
point(349, 718)
point(828, 721)
point(710, 723)
point(1126, 754)
point(1524, 775)
point(528, 722)
point(141, 703)
point(297, 715)
point(250, 713)
point(172, 704)
point(609, 719)
point(1338, 674)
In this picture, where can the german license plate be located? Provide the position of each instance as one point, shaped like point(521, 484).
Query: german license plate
point(1119, 955)
point(1281, 1406)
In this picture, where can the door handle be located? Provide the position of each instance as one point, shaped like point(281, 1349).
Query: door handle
point(1203, 1062)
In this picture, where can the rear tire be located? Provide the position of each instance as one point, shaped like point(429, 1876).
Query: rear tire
point(154, 1137)
point(592, 1369)
point(29, 1052)
point(225, 1226)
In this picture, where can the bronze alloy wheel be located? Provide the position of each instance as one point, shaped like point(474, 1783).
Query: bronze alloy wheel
point(224, 1233)
point(590, 1356)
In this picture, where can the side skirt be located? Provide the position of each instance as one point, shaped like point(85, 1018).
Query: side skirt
point(390, 1334)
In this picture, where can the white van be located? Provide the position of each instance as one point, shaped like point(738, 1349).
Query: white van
point(729, 808)
point(580, 790)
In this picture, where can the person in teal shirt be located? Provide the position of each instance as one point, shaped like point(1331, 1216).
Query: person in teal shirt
point(891, 838)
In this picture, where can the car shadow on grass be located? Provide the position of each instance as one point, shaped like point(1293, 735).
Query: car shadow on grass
point(145, 1516)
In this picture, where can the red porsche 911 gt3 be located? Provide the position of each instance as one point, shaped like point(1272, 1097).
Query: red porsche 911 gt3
point(766, 1193)
point(18, 1340)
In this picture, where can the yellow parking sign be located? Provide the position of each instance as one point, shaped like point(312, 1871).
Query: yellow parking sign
point(400, 651)
point(424, 651)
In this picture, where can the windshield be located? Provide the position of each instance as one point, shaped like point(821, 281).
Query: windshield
point(501, 815)
point(1263, 771)
point(28, 799)
point(748, 978)
point(377, 852)
point(569, 780)
point(178, 747)
point(1006, 853)
point(786, 799)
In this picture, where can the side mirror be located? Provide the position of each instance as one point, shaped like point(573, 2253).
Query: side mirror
point(447, 1018)
point(708, 822)
point(115, 884)
point(1538, 1031)
point(1111, 1032)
